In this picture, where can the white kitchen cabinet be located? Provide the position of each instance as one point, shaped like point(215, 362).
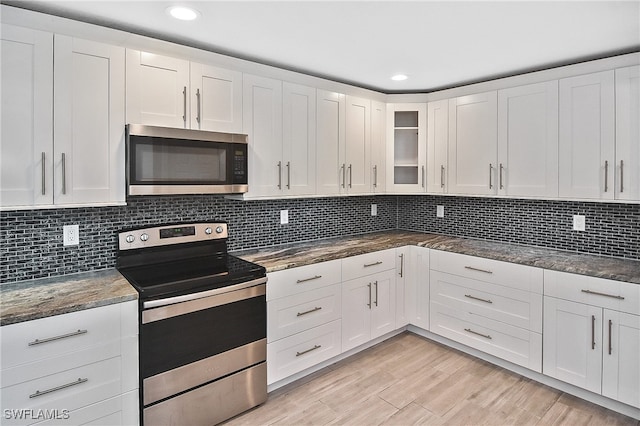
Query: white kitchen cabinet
point(416, 299)
point(378, 146)
point(627, 167)
point(403, 280)
point(586, 136)
point(357, 149)
point(330, 176)
point(437, 146)
point(26, 143)
point(262, 120)
point(216, 98)
point(473, 144)
point(528, 141)
point(406, 147)
point(89, 124)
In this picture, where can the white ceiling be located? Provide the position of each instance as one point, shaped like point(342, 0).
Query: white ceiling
point(437, 44)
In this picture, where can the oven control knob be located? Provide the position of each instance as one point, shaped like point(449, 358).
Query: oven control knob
point(130, 238)
point(208, 231)
point(144, 237)
point(219, 230)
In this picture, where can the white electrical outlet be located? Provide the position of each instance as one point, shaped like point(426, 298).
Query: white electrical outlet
point(439, 211)
point(284, 217)
point(70, 235)
point(374, 210)
point(578, 222)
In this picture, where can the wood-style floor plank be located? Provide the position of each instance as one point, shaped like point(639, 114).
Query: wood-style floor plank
point(409, 380)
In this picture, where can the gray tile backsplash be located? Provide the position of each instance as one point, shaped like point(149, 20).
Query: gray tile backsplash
point(31, 240)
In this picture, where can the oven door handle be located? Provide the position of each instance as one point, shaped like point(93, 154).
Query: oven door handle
point(155, 310)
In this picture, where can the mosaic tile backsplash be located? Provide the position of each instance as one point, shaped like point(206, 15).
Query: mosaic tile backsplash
point(31, 241)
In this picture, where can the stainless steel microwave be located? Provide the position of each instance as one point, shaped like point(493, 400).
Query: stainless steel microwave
point(165, 161)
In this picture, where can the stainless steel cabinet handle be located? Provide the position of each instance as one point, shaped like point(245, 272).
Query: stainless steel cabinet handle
point(593, 332)
point(316, 277)
point(57, 388)
point(477, 298)
point(369, 304)
point(44, 174)
point(441, 176)
point(299, 314)
point(376, 284)
point(198, 105)
point(422, 178)
point(184, 105)
point(64, 173)
point(610, 327)
point(597, 293)
point(350, 175)
point(621, 176)
point(375, 176)
point(51, 339)
point(490, 173)
point(288, 175)
point(606, 176)
point(501, 169)
point(366, 265)
point(343, 171)
point(479, 270)
point(402, 265)
point(308, 350)
point(486, 336)
point(279, 174)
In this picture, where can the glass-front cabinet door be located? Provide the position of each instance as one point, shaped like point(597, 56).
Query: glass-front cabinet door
point(406, 151)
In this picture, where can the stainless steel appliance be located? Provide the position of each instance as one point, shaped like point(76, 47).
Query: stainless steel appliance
point(203, 323)
point(163, 161)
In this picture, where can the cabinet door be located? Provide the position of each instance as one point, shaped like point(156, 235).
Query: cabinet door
point(358, 145)
point(437, 145)
point(157, 90)
point(216, 99)
point(417, 297)
point(528, 140)
point(26, 142)
point(262, 118)
point(403, 282)
point(357, 301)
point(473, 144)
point(572, 340)
point(621, 362)
point(378, 146)
point(299, 139)
point(383, 303)
point(586, 141)
point(628, 133)
point(406, 133)
point(89, 122)
point(330, 161)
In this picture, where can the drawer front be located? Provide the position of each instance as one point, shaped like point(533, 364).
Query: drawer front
point(367, 264)
point(303, 350)
point(516, 307)
point(69, 390)
point(513, 344)
point(305, 278)
point(49, 337)
point(616, 295)
point(110, 412)
point(300, 312)
point(512, 275)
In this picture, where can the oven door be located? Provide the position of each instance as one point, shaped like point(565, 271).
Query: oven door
point(185, 345)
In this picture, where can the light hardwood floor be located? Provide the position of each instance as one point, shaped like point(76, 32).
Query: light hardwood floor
point(409, 380)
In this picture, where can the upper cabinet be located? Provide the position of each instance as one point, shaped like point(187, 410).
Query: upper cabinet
point(70, 149)
point(528, 141)
point(627, 133)
point(437, 146)
point(586, 136)
point(378, 146)
point(330, 175)
point(171, 92)
point(406, 146)
point(473, 168)
point(357, 150)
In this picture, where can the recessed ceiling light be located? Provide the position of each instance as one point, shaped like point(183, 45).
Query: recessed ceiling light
point(183, 13)
point(399, 77)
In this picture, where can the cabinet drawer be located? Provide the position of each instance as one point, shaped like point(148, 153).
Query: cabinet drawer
point(69, 390)
point(516, 307)
point(303, 350)
point(367, 264)
point(616, 295)
point(293, 314)
point(49, 337)
point(512, 275)
point(305, 278)
point(510, 343)
point(110, 412)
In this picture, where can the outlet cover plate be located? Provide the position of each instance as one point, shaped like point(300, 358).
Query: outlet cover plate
point(284, 217)
point(70, 235)
point(439, 211)
point(374, 210)
point(579, 222)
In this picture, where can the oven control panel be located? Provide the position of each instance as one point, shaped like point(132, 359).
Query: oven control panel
point(171, 234)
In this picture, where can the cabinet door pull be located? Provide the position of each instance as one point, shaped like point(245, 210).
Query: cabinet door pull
point(288, 175)
point(606, 176)
point(593, 332)
point(198, 105)
point(376, 284)
point(57, 388)
point(343, 171)
point(366, 265)
point(422, 179)
point(350, 175)
point(184, 105)
point(317, 308)
point(486, 336)
point(375, 176)
point(44, 174)
point(610, 327)
point(304, 280)
point(308, 350)
point(402, 265)
point(621, 176)
point(62, 336)
point(597, 293)
point(477, 298)
point(479, 270)
point(441, 176)
point(369, 304)
point(490, 173)
point(64, 173)
point(501, 169)
point(279, 174)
